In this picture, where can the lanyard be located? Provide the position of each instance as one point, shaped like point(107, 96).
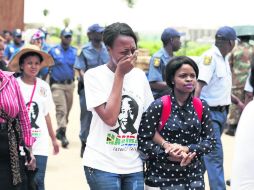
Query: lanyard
point(31, 98)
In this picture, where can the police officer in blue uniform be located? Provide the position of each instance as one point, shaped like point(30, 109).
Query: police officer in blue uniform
point(171, 43)
point(14, 47)
point(93, 54)
point(62, 82)
point(214, 86)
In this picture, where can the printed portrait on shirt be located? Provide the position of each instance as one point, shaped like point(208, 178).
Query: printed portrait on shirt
point(127, 116)
point(33, 114)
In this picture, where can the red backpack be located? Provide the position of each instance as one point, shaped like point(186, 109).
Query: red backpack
point(166, 110)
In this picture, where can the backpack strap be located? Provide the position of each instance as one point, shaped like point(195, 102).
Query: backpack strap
point(197, 103)
point(166, 110)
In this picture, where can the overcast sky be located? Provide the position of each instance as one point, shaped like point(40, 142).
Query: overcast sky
point(146, 15)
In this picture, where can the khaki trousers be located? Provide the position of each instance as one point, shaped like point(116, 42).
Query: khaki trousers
point(63, 99)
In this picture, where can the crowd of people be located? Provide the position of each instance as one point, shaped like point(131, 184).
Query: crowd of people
point(155, 130)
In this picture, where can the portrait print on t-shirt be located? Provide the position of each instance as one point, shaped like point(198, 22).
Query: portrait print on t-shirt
point(123, 136)
point(127, 116)
point(33, 115)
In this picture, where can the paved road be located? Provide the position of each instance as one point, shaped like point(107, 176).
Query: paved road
point(65, 170)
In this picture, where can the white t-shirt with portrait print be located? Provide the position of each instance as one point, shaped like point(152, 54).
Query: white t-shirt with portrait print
point(114, 149)
point(40, 107)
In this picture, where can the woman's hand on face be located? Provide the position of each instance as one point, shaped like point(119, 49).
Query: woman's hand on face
point(126, 64)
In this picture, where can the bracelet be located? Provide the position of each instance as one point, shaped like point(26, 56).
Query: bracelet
point(163, 143)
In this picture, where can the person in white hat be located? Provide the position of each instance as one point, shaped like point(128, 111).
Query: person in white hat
point(38, 98)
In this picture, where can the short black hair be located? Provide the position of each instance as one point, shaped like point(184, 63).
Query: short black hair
point(27, 54)
point(112, 31)
point(174, 64)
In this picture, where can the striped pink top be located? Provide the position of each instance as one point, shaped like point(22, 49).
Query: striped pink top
point(12, 102)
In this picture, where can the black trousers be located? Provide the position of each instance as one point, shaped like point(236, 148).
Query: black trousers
point(5, 165)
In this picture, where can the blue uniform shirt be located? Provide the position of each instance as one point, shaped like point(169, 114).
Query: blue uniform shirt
point(11, 50)
point(44, 71)
point(45, 47)
point(90, 57)
point(64, 61)
point(157, 66)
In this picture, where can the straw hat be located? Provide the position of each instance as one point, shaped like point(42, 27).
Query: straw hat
point(14, 62)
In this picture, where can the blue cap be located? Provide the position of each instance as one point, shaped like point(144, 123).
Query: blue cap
point(170, 33)
point(95, 28)
point(227, 33)
point(17, 33)
point(66, 32)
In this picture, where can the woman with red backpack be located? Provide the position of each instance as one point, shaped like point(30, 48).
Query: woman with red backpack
point(175, 138)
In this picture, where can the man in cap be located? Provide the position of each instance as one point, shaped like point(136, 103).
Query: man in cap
point(171, 43)
point(240, 61)
point(14, 47)
point(214, 86)
point(62, 82)
point(93, 54)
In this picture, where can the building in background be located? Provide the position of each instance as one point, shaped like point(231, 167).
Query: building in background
point(12, 14)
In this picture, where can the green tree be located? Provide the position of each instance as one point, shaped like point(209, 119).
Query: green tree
point(66, 22)
point(130, 3)
point(45, 12)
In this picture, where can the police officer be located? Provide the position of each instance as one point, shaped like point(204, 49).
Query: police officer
point(14, 47)
point(240, 61)
point(171, 43)
point(214, 86)
point(93, 54)
point(62, 82)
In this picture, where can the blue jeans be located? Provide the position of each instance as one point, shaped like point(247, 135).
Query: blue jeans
point(214, 160)
point(41, 163)
point(85, 117)
point(101, 180)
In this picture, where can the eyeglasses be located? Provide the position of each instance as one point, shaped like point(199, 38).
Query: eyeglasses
point(67, 37)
